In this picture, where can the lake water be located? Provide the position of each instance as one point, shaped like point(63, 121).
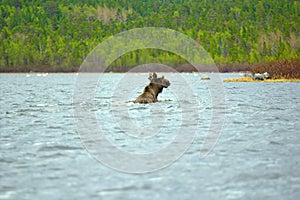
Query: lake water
point(45, 152)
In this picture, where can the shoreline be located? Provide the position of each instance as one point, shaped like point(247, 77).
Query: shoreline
point(240, 79)
point(249, 79)
point(112, 72)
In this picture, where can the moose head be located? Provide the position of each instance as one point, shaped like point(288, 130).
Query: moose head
point(152, 90)
point(161, 81)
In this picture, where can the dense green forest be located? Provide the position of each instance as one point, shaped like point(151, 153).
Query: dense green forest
point(57, 35)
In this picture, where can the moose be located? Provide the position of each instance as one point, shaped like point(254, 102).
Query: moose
point(152, 90)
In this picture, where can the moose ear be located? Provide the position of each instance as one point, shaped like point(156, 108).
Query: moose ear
point(150, 76)
point(154, 75)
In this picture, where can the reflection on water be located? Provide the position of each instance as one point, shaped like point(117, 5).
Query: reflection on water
point(256, 157)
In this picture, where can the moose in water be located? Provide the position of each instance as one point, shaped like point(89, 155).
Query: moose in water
point(152, 90)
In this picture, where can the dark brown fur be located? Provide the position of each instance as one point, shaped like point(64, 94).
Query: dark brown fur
point(152, 90)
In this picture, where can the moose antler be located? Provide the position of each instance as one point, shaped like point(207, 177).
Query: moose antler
point(152, 76)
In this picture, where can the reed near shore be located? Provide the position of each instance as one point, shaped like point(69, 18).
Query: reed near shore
point(280, 71)
point(285, 69)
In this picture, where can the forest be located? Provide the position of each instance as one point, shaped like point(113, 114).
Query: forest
point(56, 35)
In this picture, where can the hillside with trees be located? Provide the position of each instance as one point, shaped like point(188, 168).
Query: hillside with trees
point(56, 35)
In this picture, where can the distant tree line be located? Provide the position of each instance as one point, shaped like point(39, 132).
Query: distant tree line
point(57, 35)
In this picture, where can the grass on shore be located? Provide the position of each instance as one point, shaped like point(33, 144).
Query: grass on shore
point(249, 79)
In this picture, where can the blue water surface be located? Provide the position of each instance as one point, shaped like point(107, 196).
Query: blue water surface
point(42, 156)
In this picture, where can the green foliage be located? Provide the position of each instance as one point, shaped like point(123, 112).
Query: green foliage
point(59, 34)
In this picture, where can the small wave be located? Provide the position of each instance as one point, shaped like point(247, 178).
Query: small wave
point(123, 103)
point(25, 110)
point(43, 105)
point(103, 97)
point(7, 193)
point(252, 150)
point(122, 189)
point(54, 155)
point(54, 127)
point(249, 105)
point(131, 103)
point(139, 108)
point(274, 109)
point(275, 143)
point(58, 147)
point(7, 160)
point(165, 100)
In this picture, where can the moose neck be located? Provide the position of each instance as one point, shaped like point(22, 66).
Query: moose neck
point(157, 88)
